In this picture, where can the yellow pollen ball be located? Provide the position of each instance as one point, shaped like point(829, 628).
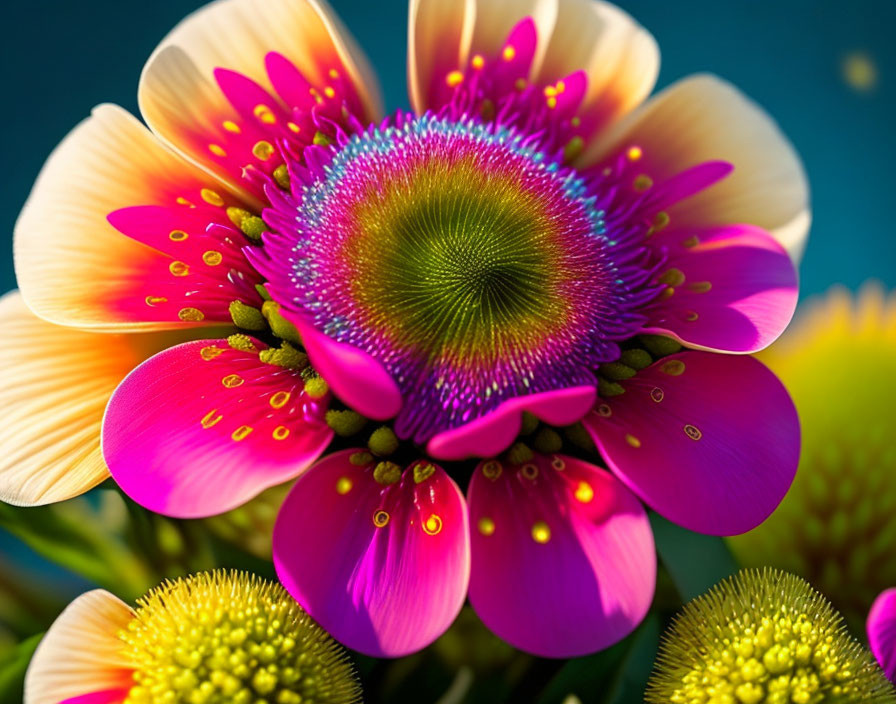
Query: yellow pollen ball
point(217, 150)
point(212, 258)
point(231, 637)
point(190, 314)
point(541, 533)
point(763, 636)
point(508, 54)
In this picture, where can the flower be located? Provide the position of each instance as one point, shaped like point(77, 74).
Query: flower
point(215, 636)
point(763, 636)
point(837, 524)
point(881, 628)
point(473, 289)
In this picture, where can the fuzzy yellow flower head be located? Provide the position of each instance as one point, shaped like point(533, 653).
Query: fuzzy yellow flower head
point(763, 637)
point(213, 638)
point(837, 525)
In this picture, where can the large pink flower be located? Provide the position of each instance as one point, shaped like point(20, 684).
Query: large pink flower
point(526, 250)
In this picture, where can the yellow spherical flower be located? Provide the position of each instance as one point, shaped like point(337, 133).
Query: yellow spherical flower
point(213, 638)
point(763, 637)
point(837, 525)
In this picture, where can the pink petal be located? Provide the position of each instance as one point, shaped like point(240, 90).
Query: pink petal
point(109, 696)
point(563, 555)
point(494, 433)
point(882, 632)
point(385, 590)
point(355, 377)
point(733, 289)
point(201, 428)
point(710, 441)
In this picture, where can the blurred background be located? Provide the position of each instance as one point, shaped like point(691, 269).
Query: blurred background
point(824, 69)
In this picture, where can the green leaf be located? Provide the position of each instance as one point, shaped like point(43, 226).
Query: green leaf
point(617, 675)
point(13, 665)
point(694, 561)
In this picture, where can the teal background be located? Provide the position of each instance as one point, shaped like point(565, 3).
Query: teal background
point(61, 58)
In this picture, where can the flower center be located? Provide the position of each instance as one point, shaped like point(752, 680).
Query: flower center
point(230, 637)
point(471, 266)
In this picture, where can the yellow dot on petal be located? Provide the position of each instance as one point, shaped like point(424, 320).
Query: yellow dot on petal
point(264, 113)
point(209, 352)
point(231, 381)
point(486, 526)
point(329, 92)
point(343, 486)
point(212, 258)
point(642, 182)
point(584, 492)
point(674, 367)
point(521, 84)
point(263, 150)
point(529, 471)
point(380, 518)
point(693, 432)
point(231, 126)
point(432, 525)
point(657, 394)
point(455, 78)
point(634, 153)
point(692, 241)
point(492, 469)
point(691, 316)
point(509, 53)
point(178, 268)
point(541, 532)
point(558, 464)
point(632, 440)
point(604, 410)
point(180, 200)
point(672, 277)
point(700, 286)
point(193, 315)
point(153, 301)
point(241, 433)
point(280, 399)
point(478, 62)
point(217, 150)
point(551, 102)
point(211, 197)
point(333, 73)
point(293, 127)
point(177, 235)
point(211, 418)
point(281, 432)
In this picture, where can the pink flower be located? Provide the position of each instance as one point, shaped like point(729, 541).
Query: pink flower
point(882, 632)
point(529, 245)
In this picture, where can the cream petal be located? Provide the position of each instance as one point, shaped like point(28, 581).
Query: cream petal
point(619, 56)
point(442, 31)
point(703, 118)
point(72, 266)
point(178, 96)
point(54, 384)
point(81, 652)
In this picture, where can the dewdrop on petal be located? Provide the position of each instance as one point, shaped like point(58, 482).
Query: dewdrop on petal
point(763, 637)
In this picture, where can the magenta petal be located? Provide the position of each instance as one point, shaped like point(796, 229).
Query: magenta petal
point(384, 568)
point(355, 377)
point(710, 441)
point(201, 428)
point(493, 433)
point(882, 632)
point(563, 555)
point(734, 289)
point(109, 696)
